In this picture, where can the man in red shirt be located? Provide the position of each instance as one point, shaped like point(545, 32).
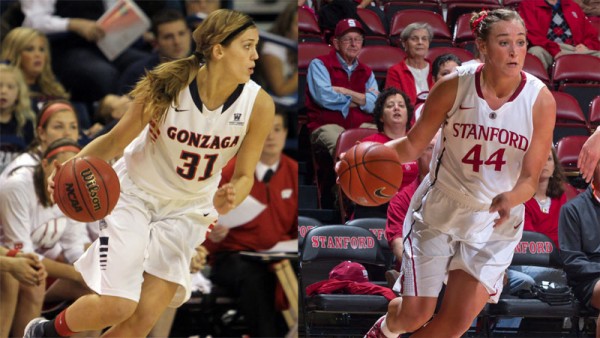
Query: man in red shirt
point(275, 187)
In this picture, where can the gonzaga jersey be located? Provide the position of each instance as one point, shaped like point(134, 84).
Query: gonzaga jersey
point(182, 157)
point(481, 150)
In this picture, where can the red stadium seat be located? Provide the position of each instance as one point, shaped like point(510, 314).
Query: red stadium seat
point(535, 67)
point(462, 29)
point(346, 140)
point(308, 51)
point(567, 151)
point(462, 54)
point(380, 59)
point(457, 8)
point(378, 34)
point(577, 75)
point(393, 7)
point(569, 117)
point(594, 113)
point(441, 33)
point(308, 27)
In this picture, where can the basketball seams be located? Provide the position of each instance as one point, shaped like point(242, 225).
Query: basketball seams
point(362, 164)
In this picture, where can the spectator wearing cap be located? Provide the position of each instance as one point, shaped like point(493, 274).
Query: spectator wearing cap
point(557, 27)
point(413, 74)
point(341, 91)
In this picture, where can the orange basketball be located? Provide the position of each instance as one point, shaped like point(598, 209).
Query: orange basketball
point(86, 189)
point(370, 174)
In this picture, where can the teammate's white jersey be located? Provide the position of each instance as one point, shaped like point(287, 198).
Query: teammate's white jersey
point(23, 160)
point(182, 157)
point(31, 227)
point(481, 150)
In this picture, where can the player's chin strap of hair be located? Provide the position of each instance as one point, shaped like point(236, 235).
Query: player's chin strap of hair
point(51, 109)
point(237, 31)
point(53, 152)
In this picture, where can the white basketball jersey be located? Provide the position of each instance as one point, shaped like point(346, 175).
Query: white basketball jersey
point(182, 157)
point(481, 150)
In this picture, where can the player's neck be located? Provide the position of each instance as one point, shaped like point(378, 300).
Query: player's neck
point(213, 90)
point(500, 87)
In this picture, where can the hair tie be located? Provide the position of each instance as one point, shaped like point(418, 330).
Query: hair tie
point(51, 109)
point(477, 22)
point(62, 149)
point(199, 56)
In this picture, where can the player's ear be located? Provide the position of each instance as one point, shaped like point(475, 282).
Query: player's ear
point(218, 51)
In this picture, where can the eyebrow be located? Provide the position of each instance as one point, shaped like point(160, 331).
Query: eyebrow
point(506, 34)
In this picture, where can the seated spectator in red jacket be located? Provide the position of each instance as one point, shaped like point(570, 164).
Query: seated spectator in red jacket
point(392, 114)
point(341, 91)
point(413, 74)
point(558, 27)
point(252, 280)
point(400, 203)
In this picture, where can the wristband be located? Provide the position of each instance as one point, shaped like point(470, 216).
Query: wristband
point(12, 252)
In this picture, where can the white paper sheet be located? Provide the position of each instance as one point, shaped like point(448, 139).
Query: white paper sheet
point(248, 210)
point(123, 23)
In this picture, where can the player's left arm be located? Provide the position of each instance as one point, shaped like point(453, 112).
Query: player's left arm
point(544, 115)
point(233, 193)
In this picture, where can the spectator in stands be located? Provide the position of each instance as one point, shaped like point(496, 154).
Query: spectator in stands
point(277, 68)
point(341, 90)
point(392, 115)
point(591, 8)
point(580, 244)
point(81, 66)
point(110, 110)
point(541, 215)
point(31, 223)
point(56, 120)
point(413, 74)
point(556, 28)
point(28, 49)
point(589, 157)
point(276, 187)
point(442, 65)
point(173, 40)
point(399, 204)
point(16, 116)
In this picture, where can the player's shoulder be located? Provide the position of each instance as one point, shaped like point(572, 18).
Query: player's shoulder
point(264, 102)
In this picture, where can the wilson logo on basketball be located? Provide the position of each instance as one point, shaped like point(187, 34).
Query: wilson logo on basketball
point(72, 197)
point(92, 187)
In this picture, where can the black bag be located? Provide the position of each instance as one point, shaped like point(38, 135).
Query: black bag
point(553, 293)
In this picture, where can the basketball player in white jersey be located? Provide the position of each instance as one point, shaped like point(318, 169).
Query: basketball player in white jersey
point(466, 217)
point(189, 117)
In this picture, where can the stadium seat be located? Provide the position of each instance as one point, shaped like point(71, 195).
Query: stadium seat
point(567, 151)
point(457, 8)
point(569, 117)
point(307, 51)
point(324, 248)
point(308, 27)
point(463, 54)
point(346, 140)
point(594, 113)
point(511, 3)
point(462, 30)
point(441, 33)
point(534, 249)
point(393, 7)
point(305, 223)
point(573, 74)
point(380, 59)
point(535, 67)
point(378, 34)
point(377, 227)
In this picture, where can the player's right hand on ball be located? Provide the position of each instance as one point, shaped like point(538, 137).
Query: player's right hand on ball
point(50, 188)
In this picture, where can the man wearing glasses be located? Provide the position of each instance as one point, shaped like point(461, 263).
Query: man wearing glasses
point(341, 90)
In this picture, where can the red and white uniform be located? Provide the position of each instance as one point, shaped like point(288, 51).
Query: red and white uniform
point(27, 225)
point(169, 175)
point(479, 156)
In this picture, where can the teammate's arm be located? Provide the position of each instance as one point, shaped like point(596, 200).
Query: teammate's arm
point(233, 193)
point(544, 114)
point(436, 107)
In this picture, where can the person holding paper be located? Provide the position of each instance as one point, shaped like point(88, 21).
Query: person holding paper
point(188, 118)
point(82, 68)
point(252, 280)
